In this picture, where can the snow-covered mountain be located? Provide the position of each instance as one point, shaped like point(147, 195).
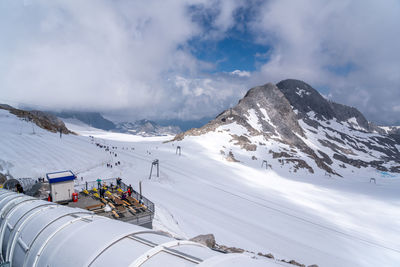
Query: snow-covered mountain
point(291, 124)
point(146, 128)
point(309, 218)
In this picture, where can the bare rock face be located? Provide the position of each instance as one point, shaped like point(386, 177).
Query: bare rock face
point(304, 99)
point(207, 240)
point(43, 120)
point(231, 157)
point(269, 255)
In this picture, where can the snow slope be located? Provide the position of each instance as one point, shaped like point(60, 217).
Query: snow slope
point(313, 219)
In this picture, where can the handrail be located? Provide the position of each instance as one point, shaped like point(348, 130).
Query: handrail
point(93, 184)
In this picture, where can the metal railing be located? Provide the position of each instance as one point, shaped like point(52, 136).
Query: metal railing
point(139, 219)
point(113, 182)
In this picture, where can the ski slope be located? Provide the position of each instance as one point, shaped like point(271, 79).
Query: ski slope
point(312, 219)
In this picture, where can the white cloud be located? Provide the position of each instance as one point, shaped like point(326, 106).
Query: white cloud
point(241, 73)
point(103, 55)
point(130, 55)
point(349, 46)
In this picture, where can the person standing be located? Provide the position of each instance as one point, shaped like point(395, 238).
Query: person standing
point(130, 190)
point(19, 188)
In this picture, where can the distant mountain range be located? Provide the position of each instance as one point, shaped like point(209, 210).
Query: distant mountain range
point(146, 128)
point(140, 127)
point(290, 123)
point(93, 119)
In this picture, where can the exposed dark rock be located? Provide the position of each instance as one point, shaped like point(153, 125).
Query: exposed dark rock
point(325, 157)
point(300, 164)
point(244, 142)
point(354, 162)
point(335, 147)
point(293, 262)
point(269, 255)
point(231, 157)
point(304, 98)
point(43, 120)
point(279, 154)
point(229, 249)
point(206, 240)
point(335, 139)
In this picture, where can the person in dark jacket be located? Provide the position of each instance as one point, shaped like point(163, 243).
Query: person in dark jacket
point(102, 191)
point(19, 188)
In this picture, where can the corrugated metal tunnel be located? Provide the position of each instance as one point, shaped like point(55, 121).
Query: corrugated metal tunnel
point(40, 233)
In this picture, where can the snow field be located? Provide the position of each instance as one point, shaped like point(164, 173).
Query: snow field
point(328, 221)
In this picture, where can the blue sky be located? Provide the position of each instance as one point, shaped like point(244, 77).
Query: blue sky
point(235, 49)
point(232, 53)
point(191, 59)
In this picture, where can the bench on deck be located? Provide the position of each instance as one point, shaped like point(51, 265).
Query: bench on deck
point(95, 207)
point(132, 200)
point(121, 209)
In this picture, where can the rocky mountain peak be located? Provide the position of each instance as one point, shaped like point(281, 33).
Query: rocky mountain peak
point(304, 99)
point(295, 125)
point(267, 107)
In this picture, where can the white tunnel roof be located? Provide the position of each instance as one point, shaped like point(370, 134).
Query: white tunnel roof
point(40, 233)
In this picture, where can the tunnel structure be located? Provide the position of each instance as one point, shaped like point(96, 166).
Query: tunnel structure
point(34, 232)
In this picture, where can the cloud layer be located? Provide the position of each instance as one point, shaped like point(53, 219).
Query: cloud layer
point(351, 48)
point(135, 57)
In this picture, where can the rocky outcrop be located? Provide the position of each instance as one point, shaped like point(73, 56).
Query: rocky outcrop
point(231, 157)
point(304, 99)
point(42, 119)
point(206, 240)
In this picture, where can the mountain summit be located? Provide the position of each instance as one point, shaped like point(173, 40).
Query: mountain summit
point(290, 123)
